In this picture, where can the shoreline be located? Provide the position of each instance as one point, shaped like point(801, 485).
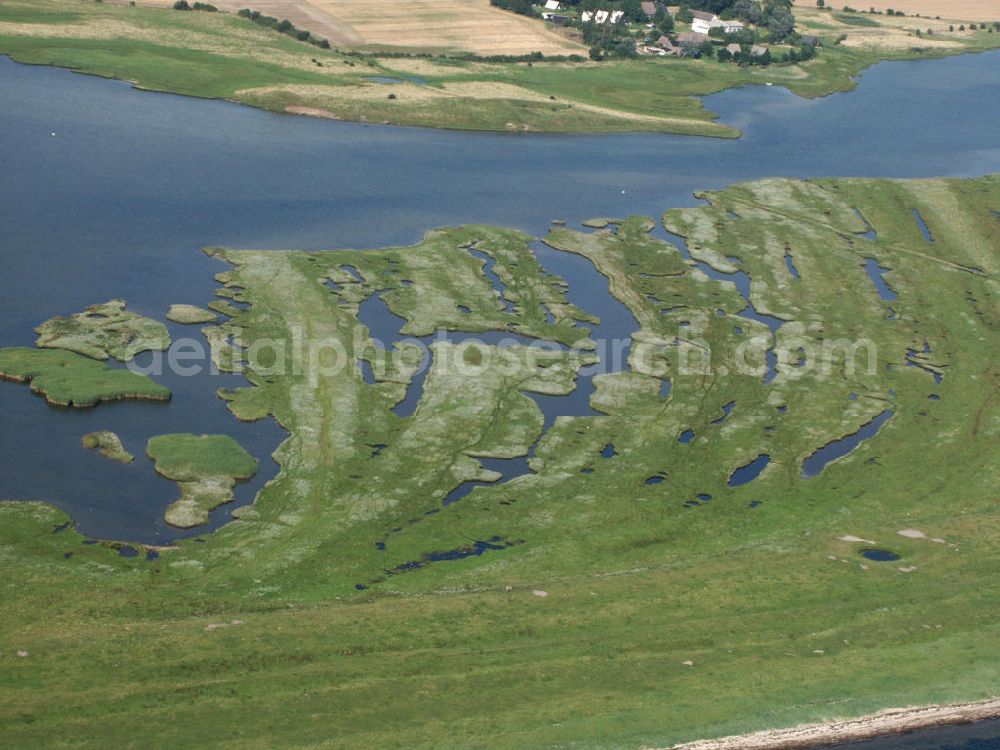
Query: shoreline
point(885, 723)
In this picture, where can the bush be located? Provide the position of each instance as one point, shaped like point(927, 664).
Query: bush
point(284, 26)
point(522, 7)
point(182, 5)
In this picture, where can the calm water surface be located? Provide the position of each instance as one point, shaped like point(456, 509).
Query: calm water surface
point(110, 192)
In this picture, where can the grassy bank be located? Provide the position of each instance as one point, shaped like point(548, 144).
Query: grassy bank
point(609, 612)
point(217, 55)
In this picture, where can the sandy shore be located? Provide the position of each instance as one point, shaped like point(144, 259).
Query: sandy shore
point(888, 722)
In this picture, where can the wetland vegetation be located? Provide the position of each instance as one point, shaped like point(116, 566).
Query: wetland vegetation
point(602, 608)
point(205, 468)
point(65, 378)
point(109, 445)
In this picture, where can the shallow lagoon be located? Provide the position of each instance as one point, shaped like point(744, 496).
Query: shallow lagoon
point(119, 200)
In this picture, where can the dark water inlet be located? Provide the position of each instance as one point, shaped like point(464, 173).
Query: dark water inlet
point(912, 361)
point(741, 280)
point(870, 234)
point(790, 265)
point(726, 410)
point(924, 229)
point(749, 472)
point(841, 447)
point(490, 272)
point(876, 272)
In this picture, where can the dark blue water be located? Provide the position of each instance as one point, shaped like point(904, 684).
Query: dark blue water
point(750, 471)
point(879, 555)
point(876, 272)
point(790, 265)
point(924, 229)
point(727, 408)
point(983, 735)
point(120, 200)
point(742, 281)
point(839, 448)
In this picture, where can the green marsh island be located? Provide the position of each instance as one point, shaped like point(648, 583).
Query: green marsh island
point(109, 445)
point(779, 508)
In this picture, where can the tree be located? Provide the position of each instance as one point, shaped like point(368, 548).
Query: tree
point(690, 49)
point(820, 3)
point(749, 10)
point(724, 55)
point(780, 24)
point(632, 10)
point(182, 5)
point(663, 20)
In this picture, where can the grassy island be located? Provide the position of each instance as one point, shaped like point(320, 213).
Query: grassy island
point(103, 331)
point(190, 314)
point(109, 445)
point(65, 378)
point(205, 468)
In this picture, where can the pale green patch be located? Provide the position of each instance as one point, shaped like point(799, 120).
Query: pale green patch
point(103, 331)
point(109, 445)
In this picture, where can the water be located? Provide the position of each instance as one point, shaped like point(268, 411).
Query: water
point(870, 234)
point(879, 555)
point(727, 408)
point(924, 229)
point(143, 181)
point(876, 272)
point(750, 471)
point(841, 447)
point(982, 735)
point(790, 265)
point(741, 280)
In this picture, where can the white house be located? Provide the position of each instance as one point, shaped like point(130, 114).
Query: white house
point(702, 22)
point(602, 16)
point(552, 5)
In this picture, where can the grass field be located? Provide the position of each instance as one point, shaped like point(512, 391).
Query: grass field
point(217, 55)
point(961, 10)
point(609, 612)
point(65, 378)
point(466, 25)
